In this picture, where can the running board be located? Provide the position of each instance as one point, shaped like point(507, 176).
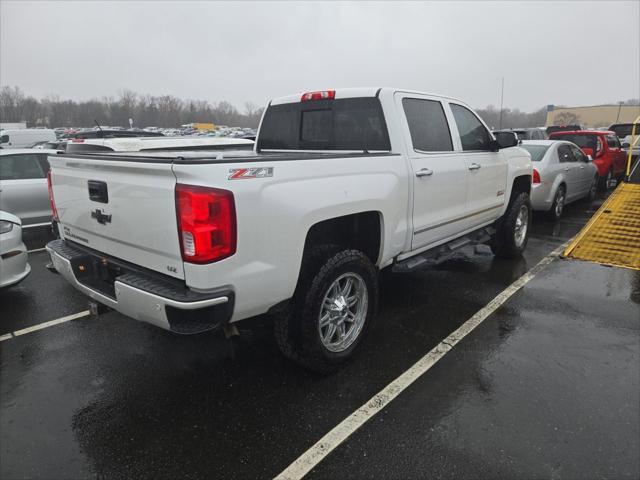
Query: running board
point(443, 252)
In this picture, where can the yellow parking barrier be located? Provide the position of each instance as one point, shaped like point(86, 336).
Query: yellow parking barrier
point(612, 236)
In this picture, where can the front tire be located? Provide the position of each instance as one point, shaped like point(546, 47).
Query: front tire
point(332, 309)
point(512, 231)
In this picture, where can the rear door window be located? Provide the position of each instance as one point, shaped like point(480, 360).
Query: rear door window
point(428, 125)
point(473, 134)
point(21, 167)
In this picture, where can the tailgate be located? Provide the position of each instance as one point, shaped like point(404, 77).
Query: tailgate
point(122, 208)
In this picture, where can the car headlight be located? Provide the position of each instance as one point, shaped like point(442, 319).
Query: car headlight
point(5, 227)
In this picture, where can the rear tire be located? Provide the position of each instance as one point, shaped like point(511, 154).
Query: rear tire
point(512, 230)
point(555, 212)
point(606, 181)
point(332, 309)
point(593, 190)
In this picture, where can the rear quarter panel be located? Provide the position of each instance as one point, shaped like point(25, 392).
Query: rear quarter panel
point(275, 213)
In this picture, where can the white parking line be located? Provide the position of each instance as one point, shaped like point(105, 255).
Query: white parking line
point(37, 250)
point(312, 457)
point(40, 326)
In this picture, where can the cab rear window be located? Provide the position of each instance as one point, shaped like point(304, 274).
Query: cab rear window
point(341, 124)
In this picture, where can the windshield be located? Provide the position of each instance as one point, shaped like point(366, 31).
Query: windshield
point(342, 124)
point(536, 151)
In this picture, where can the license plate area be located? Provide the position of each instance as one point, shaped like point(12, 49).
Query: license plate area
point(97, 273)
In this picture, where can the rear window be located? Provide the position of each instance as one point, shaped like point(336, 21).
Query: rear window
point(536, 151)
point(583, 141)
point(342, 124)
point(86, 147)
point(622, 130)
point(22, 166)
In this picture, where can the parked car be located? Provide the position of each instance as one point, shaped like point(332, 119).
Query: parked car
point(60, 145)
point(341, 184)
point(562, 128)
point(23, 185)
point(604, 148)
point(526, 133)
point(562, 173)
point(145, 144)
point(14, 266)
point(25, 138)
point(623, 131)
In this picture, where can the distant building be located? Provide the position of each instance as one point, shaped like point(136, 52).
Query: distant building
point(592, 117)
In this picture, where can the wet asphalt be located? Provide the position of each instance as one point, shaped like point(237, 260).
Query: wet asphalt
point(547, 387)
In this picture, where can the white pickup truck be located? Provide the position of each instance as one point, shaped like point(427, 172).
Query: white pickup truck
point(340, 184)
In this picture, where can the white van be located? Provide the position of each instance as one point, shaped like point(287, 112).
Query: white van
point(25, 138)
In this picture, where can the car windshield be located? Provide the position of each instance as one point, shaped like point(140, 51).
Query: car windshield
point(536, 151)
point(583, 141)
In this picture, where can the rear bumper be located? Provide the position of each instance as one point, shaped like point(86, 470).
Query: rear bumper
point(143, 295)
point(541, 196)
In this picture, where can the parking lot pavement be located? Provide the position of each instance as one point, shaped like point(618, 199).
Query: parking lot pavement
point(547, 387)
point(116, 398)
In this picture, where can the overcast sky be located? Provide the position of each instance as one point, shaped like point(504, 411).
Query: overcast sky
point(573, 53)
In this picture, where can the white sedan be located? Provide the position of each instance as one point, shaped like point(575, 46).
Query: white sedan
point(562, 174)
point(13, 254)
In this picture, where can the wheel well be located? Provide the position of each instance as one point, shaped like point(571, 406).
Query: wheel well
point(360, 231)
point(521, 184)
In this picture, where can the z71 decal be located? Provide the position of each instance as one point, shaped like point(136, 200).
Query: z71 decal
point(246, 173)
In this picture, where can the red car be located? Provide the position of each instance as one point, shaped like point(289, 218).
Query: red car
point(605, 149)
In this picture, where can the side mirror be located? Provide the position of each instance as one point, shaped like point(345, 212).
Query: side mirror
point(505, 139)
point(626, 145)
point(589, 158)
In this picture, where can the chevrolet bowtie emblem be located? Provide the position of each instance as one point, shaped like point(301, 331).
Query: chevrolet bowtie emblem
point(101, 217)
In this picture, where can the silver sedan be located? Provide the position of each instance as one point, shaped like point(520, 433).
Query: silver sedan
point(562, 174)
point(23, 185)
point(13, 254)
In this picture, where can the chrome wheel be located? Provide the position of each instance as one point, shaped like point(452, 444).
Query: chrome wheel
point(521, 226)
point(559, 203)
point(343, 312)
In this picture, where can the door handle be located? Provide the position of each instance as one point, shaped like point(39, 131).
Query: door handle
point(474, 166)
point(425, 172)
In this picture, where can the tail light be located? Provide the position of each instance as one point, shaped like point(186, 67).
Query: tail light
point(206, 223)
point(322, 95)
point(54, 210)
point(77, 140)
point(536, 176)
